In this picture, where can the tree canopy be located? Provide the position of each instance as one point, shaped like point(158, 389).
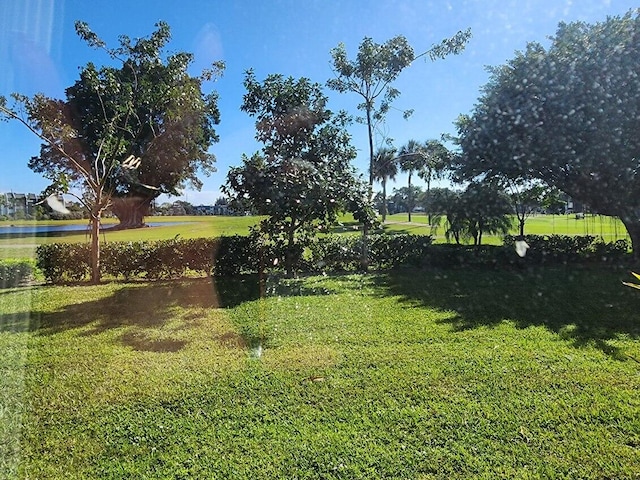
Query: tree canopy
point(372, 73)
point(302, 178)
point(148, 107)
point(123, 134)
point(567, 115)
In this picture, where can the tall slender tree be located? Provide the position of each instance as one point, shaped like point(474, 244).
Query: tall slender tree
point(412, 158)
point(372, 73)
point(437, 159)
point(385, 168)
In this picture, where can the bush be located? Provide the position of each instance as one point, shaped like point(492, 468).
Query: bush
point(159, 259)
point(344, 253)
point(234, 255)
point(334, 253)
point(237, 254)
point(15, 272)
point(564, 249)
point(64, 261)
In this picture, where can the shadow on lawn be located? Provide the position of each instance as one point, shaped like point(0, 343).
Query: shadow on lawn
point(142, 306)
point(584, 305)
point(150, 305)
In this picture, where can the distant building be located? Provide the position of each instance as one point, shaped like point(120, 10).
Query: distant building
point(18, 205)
point(204, 209)
point(222, 210)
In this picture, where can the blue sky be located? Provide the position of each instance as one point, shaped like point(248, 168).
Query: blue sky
point(39, 52)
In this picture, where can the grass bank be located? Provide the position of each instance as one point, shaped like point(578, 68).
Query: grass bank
point(609, 228)
point(457, 374)
point(185, 227)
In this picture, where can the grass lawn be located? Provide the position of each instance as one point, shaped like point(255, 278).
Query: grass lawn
point(609, 228)
point(207, 226)
point(409, 374)
point(185, 227)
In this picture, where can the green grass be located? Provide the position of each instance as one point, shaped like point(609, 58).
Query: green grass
point(211, 226)
point(608, 228)
point(188, 227)
point(410, 374)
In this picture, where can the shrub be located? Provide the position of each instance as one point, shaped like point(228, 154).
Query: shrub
point(335, 253)
point(238, 254)
point(64, 261)
point(567, 248)
point(234, 255)
point(344, 253)
point(126, 259)
point(15, 272)
point(158, 259)
point(388, 251)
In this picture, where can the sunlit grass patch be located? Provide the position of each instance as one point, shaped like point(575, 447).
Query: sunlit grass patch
point(408, 374)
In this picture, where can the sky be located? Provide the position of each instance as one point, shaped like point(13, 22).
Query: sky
point(40, 52)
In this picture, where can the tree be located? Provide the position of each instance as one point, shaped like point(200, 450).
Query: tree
point(123, 135)
point(568, 116)
point(372, 73)
point(411, 159)
point(428, 160)
point(303, 177)
point(526, 198)
point(403, 197)
point(437, 158)
point(448, 203)
point(385, 168)
point(482, 208)
point(554, 201)
point(486, 210)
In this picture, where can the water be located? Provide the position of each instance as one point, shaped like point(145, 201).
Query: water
point(44, 230)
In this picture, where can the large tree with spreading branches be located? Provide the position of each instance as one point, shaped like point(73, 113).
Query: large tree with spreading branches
point(567, 115)
point(126, 133)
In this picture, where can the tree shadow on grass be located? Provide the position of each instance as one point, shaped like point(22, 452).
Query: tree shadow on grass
point(144, 306)
point(586, 305)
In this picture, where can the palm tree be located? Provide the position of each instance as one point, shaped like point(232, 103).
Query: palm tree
point(385, 167)
point(412, 158)
point(436, 160)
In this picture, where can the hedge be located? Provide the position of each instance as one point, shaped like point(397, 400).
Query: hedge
point(15, 272)
point(233, 255)
point(544, 249)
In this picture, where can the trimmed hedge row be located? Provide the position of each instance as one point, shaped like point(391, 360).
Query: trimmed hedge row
point(227, 256)
point(343, 253)
point(15, 272)
point(222, 256)
point(154, 260)
point(566, 249)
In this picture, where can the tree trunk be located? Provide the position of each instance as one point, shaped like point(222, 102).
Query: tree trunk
point(370, 132)
point(428, 179)
point(131, 210)
point(364, 260)
point(95, 247)
point(632, 225)
point(521, 226)
point(384, 200)
point(288, 254)
point(410, 198)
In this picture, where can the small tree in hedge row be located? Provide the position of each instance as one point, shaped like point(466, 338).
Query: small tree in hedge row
point(303, 176)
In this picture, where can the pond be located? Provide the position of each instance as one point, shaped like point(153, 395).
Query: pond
point(44, 230)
